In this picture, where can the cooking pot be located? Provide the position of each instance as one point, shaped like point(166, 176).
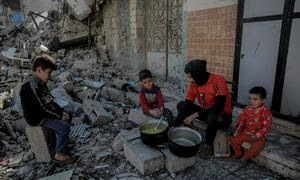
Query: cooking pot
point(184, 141)
point(154, 136)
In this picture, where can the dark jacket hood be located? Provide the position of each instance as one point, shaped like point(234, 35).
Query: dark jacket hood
point(197, 68)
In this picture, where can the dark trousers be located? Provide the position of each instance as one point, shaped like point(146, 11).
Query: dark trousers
point(62, 131)
point(214, 121)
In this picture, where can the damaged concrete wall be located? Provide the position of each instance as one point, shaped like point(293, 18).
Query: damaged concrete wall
point(39, 5)
point(123, 28)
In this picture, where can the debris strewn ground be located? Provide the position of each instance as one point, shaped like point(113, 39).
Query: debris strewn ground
point(91, 83)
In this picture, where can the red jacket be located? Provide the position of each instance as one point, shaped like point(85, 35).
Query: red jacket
point(150, 99)
point(255, 121)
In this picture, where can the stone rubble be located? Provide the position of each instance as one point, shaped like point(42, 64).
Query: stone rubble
point(89, 83)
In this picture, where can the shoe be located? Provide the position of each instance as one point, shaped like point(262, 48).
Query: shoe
point(63, 159)
point(206, 152)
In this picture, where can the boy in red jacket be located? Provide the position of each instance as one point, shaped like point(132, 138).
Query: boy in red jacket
point(150, 96)
point(252, 125)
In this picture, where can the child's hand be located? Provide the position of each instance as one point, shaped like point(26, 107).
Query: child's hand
point(65, 116)
point(155, 112)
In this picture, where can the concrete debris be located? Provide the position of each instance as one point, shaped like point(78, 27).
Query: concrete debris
point(101, 93)
point(63, 175)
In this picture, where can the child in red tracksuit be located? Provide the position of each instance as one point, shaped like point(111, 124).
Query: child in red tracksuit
point(252, 125)
point(150, 95)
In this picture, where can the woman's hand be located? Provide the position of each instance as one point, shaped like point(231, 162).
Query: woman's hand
point(188, 120)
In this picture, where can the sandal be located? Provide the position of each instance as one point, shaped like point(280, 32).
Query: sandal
point(69, 160)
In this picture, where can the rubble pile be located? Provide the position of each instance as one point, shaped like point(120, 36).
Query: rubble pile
point(88, 82)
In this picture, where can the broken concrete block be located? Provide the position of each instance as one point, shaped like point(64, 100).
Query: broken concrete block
point(5, 100)
point(66, 175)
point(112, 94)
point(61, 53)
point(80, 8)
point(38, 141)
point(125, 136)
point(138, 117)
point(68, 86)
point(174, 163)
point(94, 84)
point(145, 158)
point(96, 112)
point(16, 160)
point(133, 98)
point(20, 125)
point(65, 76)
point(118, 83)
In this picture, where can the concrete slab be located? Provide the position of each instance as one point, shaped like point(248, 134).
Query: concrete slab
point(145, 158)
point(174, 163)
point(80, 8)
point(38, 142)
point(125, 136)
point(138, 117)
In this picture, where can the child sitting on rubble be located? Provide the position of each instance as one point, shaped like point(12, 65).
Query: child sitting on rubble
point(252, 125)
point(40, 109)
point(151, 99)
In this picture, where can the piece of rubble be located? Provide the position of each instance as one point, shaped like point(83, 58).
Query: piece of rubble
point(62, 175)
point(96, 112)
point(20, 125)
point(80, 8)
point(145, 158)
point(138, 117)
point(16, 160)
point(5, 100)
point(39, 145)
point(113, 94)
point(94, 84)
point(65, 76)
point(125, 136)
point(174, 163)
point(133, 98)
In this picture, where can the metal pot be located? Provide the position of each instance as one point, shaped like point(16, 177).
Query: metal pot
point(154, 138)
point(184, 141)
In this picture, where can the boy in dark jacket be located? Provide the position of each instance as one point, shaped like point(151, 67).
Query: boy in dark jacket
point(40, 109)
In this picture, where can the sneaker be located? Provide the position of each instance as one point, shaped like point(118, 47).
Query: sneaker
point(206, 152)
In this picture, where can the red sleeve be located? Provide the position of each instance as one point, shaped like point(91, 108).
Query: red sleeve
point(144, 104)
point(190, 94)
point(241, 120)
point(221, 87)
point(160, 99)
point(266, 121)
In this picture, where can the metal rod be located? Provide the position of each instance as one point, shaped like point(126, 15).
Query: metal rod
point(49, 19)
point(36, 25)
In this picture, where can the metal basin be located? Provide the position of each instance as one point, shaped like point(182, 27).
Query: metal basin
point(184, 141)
point(154, 136)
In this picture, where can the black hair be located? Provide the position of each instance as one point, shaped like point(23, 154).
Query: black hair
point(258, 90)
point(44, 63)
point(145, 74)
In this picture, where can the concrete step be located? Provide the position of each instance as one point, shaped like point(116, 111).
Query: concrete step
point(281, 154)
